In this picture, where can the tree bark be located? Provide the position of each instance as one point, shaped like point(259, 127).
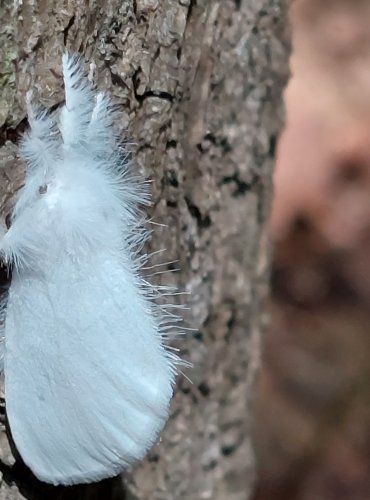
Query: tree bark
point(201, 86)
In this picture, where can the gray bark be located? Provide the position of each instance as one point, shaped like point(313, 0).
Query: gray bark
point(201, 86)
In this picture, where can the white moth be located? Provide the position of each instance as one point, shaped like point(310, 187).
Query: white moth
point(88, 379)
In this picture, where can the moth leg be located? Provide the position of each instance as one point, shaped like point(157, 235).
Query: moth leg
point(18, 245)
point(2, 411)
point(4, 257)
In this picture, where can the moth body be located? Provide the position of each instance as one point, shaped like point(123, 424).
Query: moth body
point(88, 378)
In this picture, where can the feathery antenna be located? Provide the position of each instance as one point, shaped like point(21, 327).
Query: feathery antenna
point(79, 102)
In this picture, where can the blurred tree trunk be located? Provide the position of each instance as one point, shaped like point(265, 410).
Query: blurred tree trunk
point(201, 84)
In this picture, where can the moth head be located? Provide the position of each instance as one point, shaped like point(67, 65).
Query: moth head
point(34, 188)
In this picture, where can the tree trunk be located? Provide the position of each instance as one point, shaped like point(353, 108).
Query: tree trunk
point(201, 85)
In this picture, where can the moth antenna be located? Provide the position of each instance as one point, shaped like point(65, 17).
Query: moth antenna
point(79, 102)
point(100, 134)
point(40, 146)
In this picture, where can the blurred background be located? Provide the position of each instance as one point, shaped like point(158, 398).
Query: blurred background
point(313, 400)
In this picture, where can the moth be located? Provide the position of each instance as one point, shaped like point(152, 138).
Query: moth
point(88, 374)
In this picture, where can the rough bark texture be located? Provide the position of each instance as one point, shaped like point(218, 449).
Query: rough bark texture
point(201, 86)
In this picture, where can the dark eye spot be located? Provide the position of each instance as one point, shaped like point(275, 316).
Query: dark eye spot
point(43, 189)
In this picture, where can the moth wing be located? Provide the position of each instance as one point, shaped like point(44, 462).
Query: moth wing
point(87, 379)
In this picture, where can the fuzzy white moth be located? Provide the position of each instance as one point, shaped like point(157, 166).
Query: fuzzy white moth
point(88, 378)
